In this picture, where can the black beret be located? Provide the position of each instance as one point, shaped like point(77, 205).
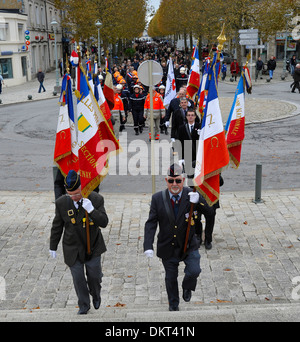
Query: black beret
point(175, 170)
point(72, 181)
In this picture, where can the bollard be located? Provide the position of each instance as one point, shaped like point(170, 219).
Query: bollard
point(258, 181)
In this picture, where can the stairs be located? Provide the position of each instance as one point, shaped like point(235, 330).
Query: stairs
point(285, 312)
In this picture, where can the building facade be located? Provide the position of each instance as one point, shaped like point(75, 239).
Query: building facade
point(27, 39)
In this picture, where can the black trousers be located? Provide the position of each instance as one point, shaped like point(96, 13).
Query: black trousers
point(209, 225)
point(89, 284)
point(138, 118)
point(192, 271)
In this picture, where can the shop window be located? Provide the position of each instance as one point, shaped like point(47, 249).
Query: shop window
point(6, 67)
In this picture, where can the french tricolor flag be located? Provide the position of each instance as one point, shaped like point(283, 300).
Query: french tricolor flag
point(212, 153)
point(97, 140)
point(194, 78)
point(235, 126)
point(66, 147)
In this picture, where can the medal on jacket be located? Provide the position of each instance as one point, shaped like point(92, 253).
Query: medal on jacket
point(70, 214)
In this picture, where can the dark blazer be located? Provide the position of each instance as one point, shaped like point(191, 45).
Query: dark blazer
point(69, 220)
point(184, 135)
point(172, 233)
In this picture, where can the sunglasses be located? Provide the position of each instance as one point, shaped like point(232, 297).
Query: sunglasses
point(178, 181)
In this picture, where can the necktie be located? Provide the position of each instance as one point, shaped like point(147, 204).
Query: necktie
point(175, 198)
point(79, 204)
point(192, 127)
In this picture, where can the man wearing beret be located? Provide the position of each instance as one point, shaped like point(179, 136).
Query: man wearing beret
point(71, 214)
point(170, 210)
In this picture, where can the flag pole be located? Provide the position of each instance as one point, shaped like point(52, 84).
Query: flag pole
point(87, 221)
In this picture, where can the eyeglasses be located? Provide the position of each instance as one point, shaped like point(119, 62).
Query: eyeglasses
point(178, 181)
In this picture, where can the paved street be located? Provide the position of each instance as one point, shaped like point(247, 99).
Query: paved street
point(252, 272)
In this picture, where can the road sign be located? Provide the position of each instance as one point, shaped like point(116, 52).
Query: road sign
point(248, 42)
point(249, 47)
point(145, 77)
point(249, 31)
point(248, 36)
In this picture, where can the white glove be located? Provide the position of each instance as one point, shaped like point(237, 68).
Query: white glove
point(87, 205)
point(181, 162)
point(52, 254)
point(149, 253)
point(199, 131)
point(173, 140)
point(194, 197)
point(167, 124)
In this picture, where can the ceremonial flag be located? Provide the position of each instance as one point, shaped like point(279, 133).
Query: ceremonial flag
point(170, 85)
point(203, 90)
point(96, 139)
point(108, 89)
point(212, 154)
point(66, 148)
point(235, 126)
point(100, 98)
point(194, 78)
point(74, 59)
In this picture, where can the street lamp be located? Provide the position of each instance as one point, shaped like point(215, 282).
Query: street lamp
point(57, 89)
point(98, 25)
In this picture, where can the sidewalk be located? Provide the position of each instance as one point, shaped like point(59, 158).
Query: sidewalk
point(253, 264)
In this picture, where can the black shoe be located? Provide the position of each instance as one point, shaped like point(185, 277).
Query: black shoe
point(97, 303)
point(83, 311)
point(208, 245)
point(187, 295)
point(173, 308)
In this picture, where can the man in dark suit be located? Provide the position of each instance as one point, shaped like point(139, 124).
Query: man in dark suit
point(188, 134)
point(170, 209)
point(72, 215)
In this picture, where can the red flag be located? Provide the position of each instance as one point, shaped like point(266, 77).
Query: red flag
point(108, 89)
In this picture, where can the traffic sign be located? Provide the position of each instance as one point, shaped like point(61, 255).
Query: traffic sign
point(248, 36)
point(150, 77)
point(248, 42)
point(249, 31)
point(249, 47)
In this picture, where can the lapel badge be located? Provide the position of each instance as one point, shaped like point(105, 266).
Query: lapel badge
point(70, 212)
point(73, 220)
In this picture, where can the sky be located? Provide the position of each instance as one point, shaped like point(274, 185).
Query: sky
point(154, 3)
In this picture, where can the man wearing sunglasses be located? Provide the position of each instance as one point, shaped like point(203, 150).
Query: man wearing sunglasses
point(170, 210)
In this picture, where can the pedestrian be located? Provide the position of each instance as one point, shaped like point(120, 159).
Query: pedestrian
point(234, 69)
point(73, 215)
point(293, 64)
point(271, 66)
point(1, 83)
point(188, 135)
point(296, 77)
point(158, 112)
point(170, 210)
point(163, 127)
point(181, 79)
point(136, 107)
point(118, 112)
point(41, 76)
point(258, 68)
point(209, 222)
point(224, 70)
point(179, 118)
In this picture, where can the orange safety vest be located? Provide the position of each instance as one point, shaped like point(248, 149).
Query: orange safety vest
point(118, 103)
point(157, 102)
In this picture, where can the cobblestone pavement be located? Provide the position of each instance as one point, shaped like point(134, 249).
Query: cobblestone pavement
point(254, 259)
